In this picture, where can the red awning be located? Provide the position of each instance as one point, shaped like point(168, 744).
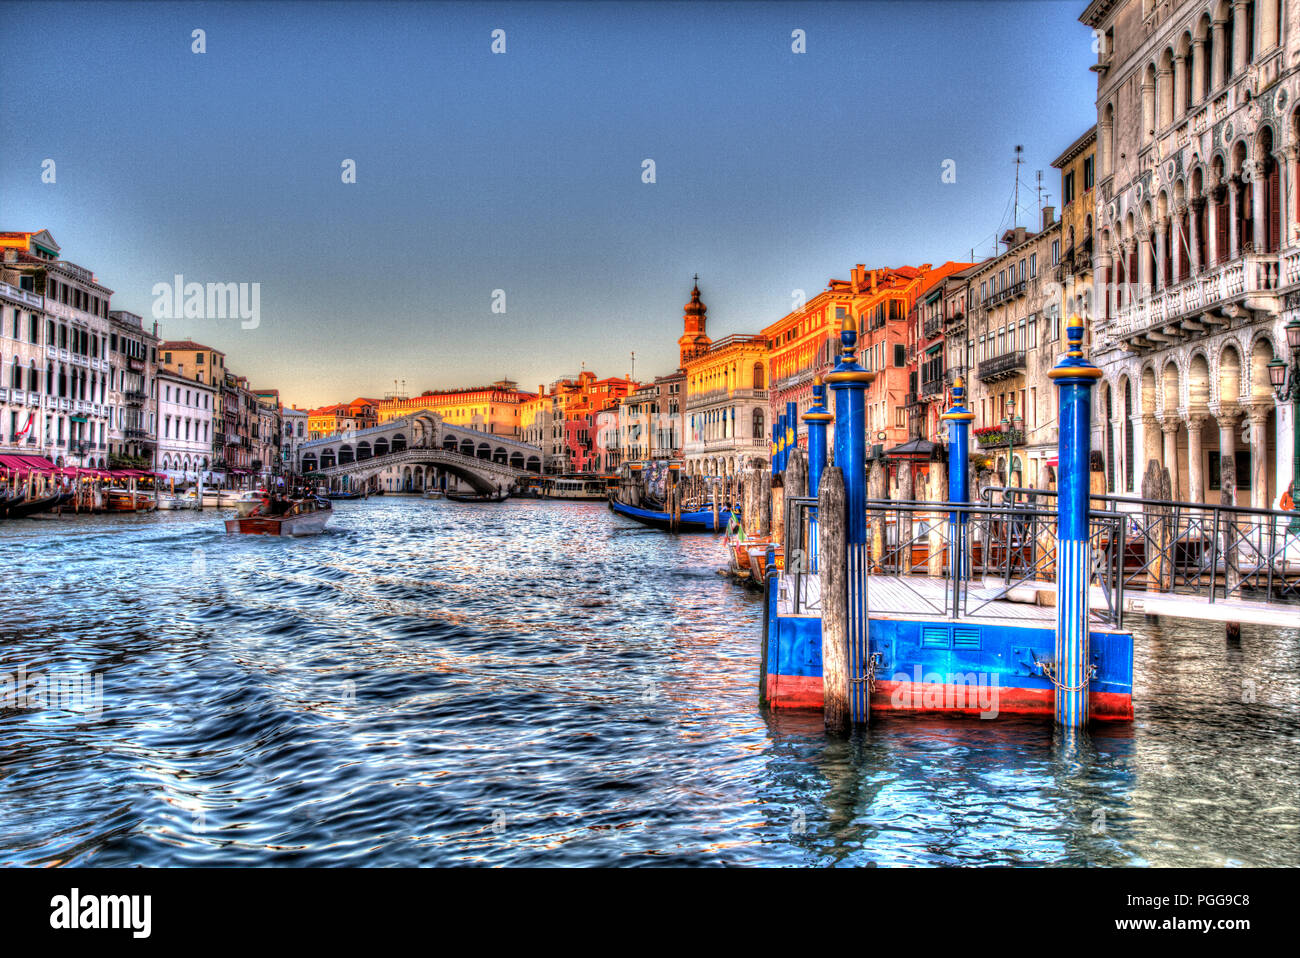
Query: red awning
point(1053, 462)
point(25, 464)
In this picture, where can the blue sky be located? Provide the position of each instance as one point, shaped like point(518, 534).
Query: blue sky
point(523, 171)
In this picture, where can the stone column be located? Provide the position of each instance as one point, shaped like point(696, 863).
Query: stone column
point(1144, 266)
point(1258, 413)
point(1198, 70)
point(1148, 110)
point(1170, 429)
point(1165, 104)
point(1180, 83)
point(1195, 464)
point(1151, 449)
point(1258, 221)
point(1268, 33)
point(1219, 68)
point(1240, 25)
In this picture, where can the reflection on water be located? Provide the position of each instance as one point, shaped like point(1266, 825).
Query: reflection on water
point(545, 683)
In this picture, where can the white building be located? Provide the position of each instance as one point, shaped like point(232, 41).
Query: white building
point(294, 433)
point(1197, 264)
point(185, 423)
point(69, 374)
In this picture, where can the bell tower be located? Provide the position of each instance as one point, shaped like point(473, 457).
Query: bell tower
point(694, 340)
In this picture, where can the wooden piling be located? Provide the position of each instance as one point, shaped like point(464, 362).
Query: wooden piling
point(796, 487)
point(937, 491)
point(906, 493)
point(877, 479)
point(833, 553)
point(1231, 566)
point(776, 496)
point(1157, 485)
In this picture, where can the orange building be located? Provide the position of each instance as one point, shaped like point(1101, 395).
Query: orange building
point(361, 413)
point(565, 421)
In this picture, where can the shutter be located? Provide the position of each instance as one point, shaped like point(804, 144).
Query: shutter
point(1221, 233)
point(1273, 206)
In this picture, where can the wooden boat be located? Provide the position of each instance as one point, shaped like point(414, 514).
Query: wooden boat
point(434, 494)
point(124, 500)
point(343, 495)
point(696, 521)
point(492, 497)
point(300, 517)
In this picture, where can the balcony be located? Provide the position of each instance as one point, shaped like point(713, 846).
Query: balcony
point(22, 295)
point(1002, 367)
point(933, 327)
point(932, 387)
point(1199, 305)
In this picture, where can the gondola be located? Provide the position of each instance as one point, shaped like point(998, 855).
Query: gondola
point(343, 495)
point(695, 521)
point(30, 507)
point(493, 497)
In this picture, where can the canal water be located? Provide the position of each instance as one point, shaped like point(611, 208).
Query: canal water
point(432, 683)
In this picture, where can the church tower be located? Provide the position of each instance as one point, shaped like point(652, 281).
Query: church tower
point(694, 340)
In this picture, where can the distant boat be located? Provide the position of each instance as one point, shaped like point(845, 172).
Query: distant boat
point(582, 489)
point(343, 495)
point(433, 494)
point(302, 517)
point(492, 497)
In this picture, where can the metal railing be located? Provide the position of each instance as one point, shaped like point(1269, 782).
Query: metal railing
point(953, 560)
point(1187, 548)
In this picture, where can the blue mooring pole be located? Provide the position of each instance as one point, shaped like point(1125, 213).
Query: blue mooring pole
point(818, 419)
point(849, 382)
point(791, 429)
point(959, 419)
point(775, 464)
point(1075, 377)
point(780, 443)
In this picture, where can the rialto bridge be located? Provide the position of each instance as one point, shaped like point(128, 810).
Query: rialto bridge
point(418, 452)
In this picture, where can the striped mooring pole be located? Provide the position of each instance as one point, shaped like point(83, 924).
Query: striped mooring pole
point(818, 419)
point(959, 419)
point(775, 446)
point(1075, 377)
point(849, 381)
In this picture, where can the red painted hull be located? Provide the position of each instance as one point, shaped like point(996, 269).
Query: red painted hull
point(805, 692)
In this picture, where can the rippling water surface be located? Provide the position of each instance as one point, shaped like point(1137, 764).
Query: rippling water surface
point(545, 683)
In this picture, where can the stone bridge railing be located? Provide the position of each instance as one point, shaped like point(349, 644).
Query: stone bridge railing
point(483, 474)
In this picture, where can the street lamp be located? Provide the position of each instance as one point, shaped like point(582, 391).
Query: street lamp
point(1009, 430)
point(1278, 379)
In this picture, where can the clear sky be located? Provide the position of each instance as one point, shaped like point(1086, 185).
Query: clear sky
point(520, 171)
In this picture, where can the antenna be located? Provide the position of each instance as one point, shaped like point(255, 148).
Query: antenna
point(1015, 203)
point(1039, 188)
point(632, 374)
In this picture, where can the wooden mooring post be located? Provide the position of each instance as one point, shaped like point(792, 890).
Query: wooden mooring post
point(833, 553)
point(1228, 497)
point(1157, 486)
point(795, 487)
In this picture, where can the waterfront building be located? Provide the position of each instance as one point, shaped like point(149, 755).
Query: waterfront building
point(325, 421)
point(23, 397)
point(1078, 166)
point(1197, 262)
point(725, 407)
point(266, 435)
point(293, 429)
point(187, 419)
point(648, 423)
point(1014, 329)
point(565, 420)
point(937, 326)
point(132, 395)
point(802, 343)
point(71, 411)
point(495, 408)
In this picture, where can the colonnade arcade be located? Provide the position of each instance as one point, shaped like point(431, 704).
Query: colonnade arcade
point(1186, 408)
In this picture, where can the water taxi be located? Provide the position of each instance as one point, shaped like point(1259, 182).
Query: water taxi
point(284, 517)
point(586, 488)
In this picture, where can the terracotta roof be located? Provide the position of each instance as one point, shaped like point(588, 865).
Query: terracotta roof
point(187, 344)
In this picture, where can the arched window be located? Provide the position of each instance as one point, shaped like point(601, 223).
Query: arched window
point(758, 424)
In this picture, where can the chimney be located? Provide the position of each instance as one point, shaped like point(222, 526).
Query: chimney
point(1049, 216)
point(855, 278)
point(873, 280)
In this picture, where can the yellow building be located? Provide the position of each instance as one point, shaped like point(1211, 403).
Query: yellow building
point(495, 408)
point(725, 411)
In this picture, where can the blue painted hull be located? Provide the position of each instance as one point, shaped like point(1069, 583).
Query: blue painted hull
point(689, 521)
point(936, 665)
